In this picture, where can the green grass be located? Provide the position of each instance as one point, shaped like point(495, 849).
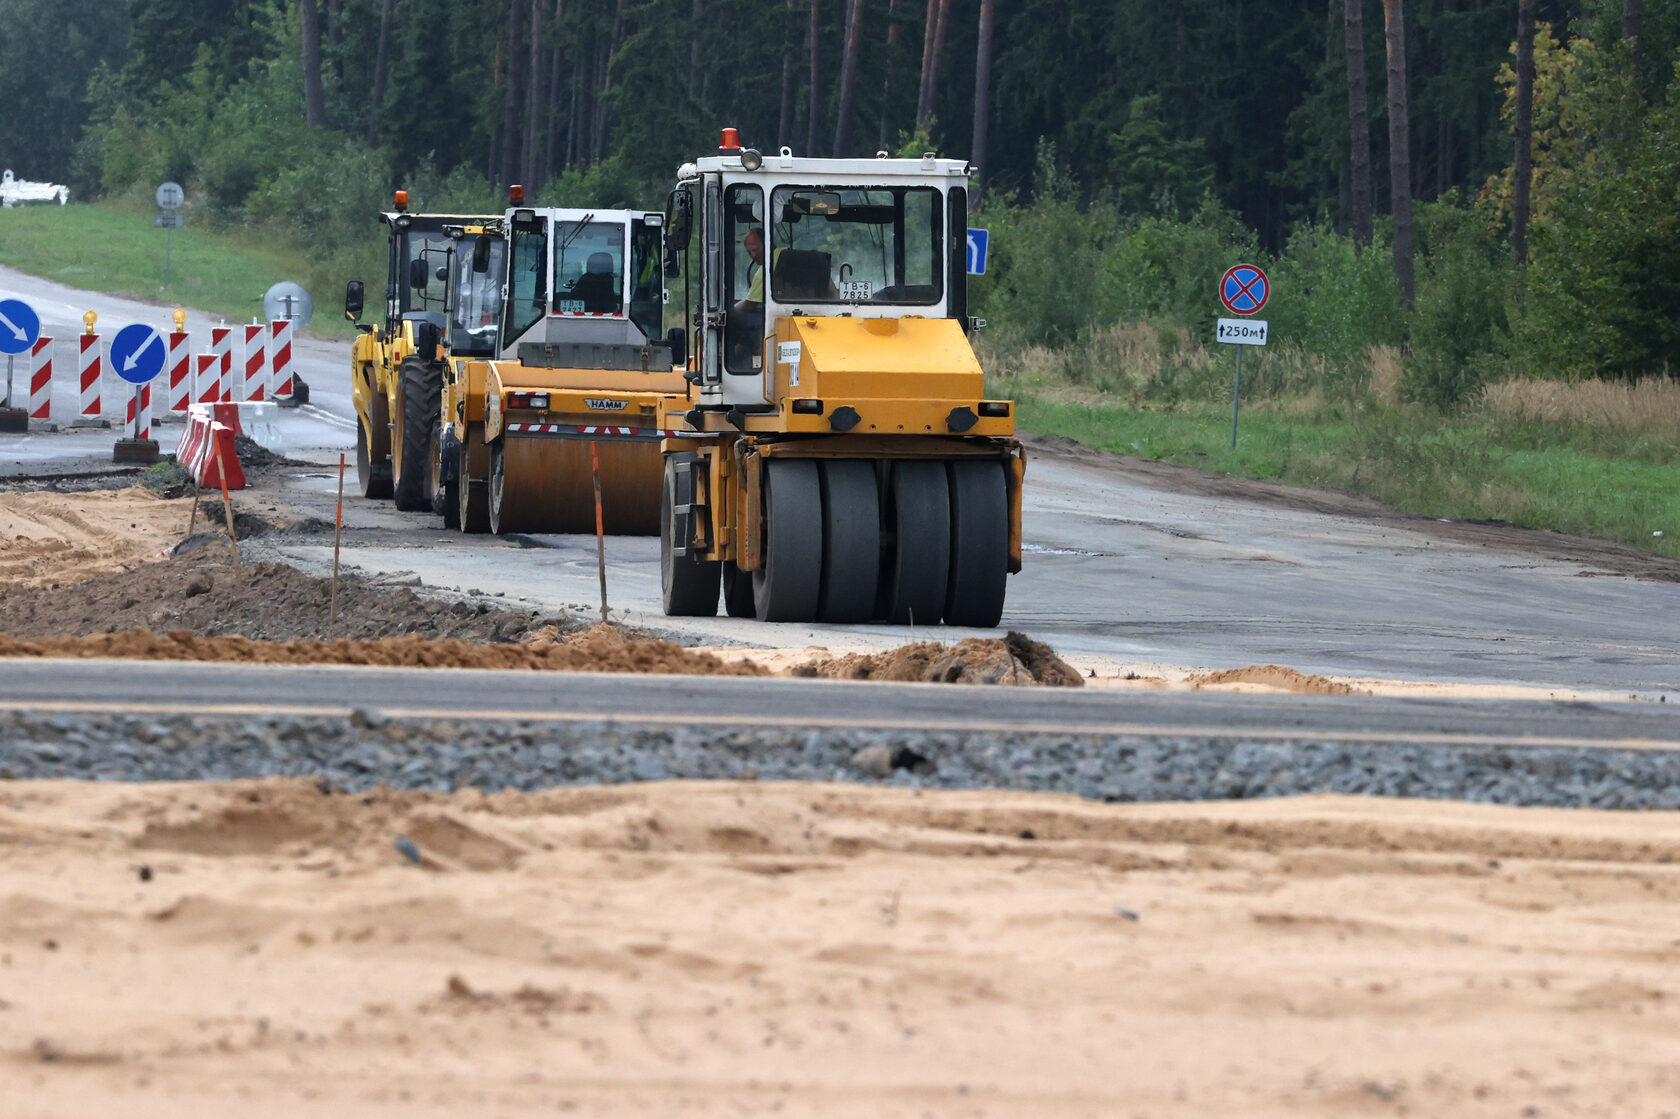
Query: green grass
point(1551, 476)
point(120, 252)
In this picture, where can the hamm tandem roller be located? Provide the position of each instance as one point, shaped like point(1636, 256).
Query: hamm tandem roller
point(843, 463)
point(582, 374)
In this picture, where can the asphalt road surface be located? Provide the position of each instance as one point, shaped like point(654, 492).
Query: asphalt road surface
point(1119, 569)
point(140, 687)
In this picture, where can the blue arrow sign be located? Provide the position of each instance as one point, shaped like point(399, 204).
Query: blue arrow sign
point(137, 353)
point(978, 241)
point(19, 326)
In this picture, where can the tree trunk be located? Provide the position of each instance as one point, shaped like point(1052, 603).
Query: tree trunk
point(848, 78)
point(1522, 163)
point(551, 135)
point(314, 99)
point(335, 37)
point(816, 99)
point(1632, 17)
point(784, 124)
point(1399, 146)
point(535, 98)
point(514, 95)
point(982, 99)
point(938, 16)
point(1359, 123)
point(890, 69)
point(694, 25)
point(608, 56)
point(381, 67)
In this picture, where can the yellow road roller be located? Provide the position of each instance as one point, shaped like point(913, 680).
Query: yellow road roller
point(582, 379)
point(840, 461)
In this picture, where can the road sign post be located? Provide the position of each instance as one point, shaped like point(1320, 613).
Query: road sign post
point(137, 356)
point(19, 327)
point(1243, 290)
point(169, 199)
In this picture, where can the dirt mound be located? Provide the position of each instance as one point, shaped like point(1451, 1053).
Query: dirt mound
point(1274, 678)
point(1017, 659)
point(204, 594)
point(48, 539)
point(602, 649)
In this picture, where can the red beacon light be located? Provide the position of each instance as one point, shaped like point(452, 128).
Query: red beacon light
point(516, 194)
point(402, 201)
point(731, 141)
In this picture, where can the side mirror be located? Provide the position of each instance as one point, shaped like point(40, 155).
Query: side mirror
point(677, 339)
point(417, 275)
point(681, 222)
point(481, 255)
point(353, 297)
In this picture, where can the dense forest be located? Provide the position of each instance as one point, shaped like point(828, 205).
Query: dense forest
point(1512, 164)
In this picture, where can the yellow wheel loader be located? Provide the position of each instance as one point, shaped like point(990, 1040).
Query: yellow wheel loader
point(581, 378)
point(840, 461)
point(395, 368)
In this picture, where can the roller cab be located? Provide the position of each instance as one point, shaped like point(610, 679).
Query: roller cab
point(839, 460)
point(582, 378)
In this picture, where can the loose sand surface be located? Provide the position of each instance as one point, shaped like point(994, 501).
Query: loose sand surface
point(267, 949)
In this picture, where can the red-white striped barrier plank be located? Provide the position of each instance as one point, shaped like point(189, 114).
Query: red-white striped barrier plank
point(40, 379)
point(207, 379)
point(221, 344)
point(256, 362)
point(142, 395)
point(280, 356)
point(89, 368)
point(179, 368)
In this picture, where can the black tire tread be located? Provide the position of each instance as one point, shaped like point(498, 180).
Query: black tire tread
point(421, 387)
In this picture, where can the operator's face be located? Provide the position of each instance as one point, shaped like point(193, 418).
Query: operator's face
point(753, 242)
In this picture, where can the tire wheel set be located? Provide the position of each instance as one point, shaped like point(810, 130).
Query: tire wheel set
point(924, 541)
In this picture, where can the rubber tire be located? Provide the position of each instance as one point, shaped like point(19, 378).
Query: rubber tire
point(473, 510)
point(738, 591)
point(917, 566)
point(494, 487)
point(979, 543)
point(374, 482)
point(422, 398)
point(851, 541)
point(786, 585)
point(688, 586)
point(446, 502)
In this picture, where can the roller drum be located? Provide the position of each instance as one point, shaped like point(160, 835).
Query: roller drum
point(547, 485)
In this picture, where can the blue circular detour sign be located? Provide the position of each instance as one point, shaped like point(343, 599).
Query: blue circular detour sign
point(19, 326)
point(1244, 289)
point(137, 353)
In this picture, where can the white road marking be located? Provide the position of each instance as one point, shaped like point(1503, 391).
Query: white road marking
point(329, 417)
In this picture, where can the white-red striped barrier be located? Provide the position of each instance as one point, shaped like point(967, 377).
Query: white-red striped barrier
point(280, 356)
point(40, 379)
point(141, 396)
point(207, 447)
point(89, 367)
point(221, 344)
point(207, 378)
point(256, 362)
point(179, 369)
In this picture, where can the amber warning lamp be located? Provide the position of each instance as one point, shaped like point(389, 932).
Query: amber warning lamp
point(731, 141)
point(402, 201)
point(516, 194)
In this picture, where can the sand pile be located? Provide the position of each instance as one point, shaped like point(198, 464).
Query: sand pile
point(1271, 678)
point(1015, 660)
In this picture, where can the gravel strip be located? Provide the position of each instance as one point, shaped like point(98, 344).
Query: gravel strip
point(369, 750)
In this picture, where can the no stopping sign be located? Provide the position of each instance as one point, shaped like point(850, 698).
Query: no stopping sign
point(1244, 289)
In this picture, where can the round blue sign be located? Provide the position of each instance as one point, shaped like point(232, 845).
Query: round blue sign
point(1244, 289)
point(19, 326)
point(137, 353)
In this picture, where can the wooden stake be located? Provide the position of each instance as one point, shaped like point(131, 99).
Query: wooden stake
point(600, 533)
point(227, 504)
point(338, 534)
